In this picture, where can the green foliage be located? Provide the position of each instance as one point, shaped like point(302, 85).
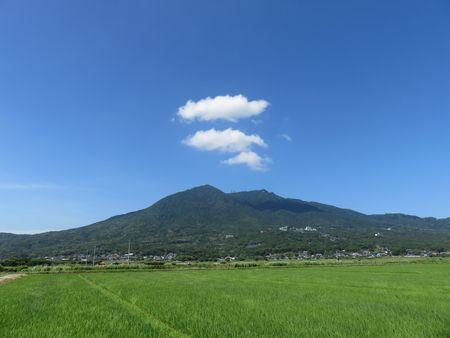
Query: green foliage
point(245, 265)
point(279, 264)
point(22, 262)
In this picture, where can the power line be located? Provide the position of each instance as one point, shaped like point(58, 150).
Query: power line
point(129, 248)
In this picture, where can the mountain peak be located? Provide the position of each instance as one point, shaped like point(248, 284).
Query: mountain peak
point(205, 188)
point(199, 222)
point(206, 193)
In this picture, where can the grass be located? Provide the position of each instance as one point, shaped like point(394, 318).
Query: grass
point(394, 300)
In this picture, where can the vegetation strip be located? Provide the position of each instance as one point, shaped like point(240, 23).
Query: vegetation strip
point(132, 308)
point(6, 278)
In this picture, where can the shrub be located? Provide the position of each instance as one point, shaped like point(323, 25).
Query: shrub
point(245, 265)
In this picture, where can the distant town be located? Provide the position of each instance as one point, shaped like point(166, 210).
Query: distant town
point(116, 258)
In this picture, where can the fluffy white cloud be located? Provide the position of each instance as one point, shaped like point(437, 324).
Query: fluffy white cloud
point(251, 159)
point(230, 108)
point(228, 140)
point(286, 137)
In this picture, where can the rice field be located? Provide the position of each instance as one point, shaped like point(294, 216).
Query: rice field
point(396, 300)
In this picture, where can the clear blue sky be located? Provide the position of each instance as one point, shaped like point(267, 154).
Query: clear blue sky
point(90, 90)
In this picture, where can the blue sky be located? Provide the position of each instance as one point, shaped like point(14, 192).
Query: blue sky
point(90, 97)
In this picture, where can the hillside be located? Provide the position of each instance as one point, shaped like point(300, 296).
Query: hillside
point(205, 222)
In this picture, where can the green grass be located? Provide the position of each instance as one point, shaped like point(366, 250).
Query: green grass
point(395, 300)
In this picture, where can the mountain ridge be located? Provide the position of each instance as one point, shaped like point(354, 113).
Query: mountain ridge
point(205, 222)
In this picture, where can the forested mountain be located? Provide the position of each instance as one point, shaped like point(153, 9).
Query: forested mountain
point(205, 222)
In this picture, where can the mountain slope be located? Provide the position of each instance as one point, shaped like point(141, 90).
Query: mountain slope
point(205, 222)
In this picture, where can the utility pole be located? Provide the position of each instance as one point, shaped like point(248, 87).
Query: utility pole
point(93, 259)
point(87, 254)
point(129, 247)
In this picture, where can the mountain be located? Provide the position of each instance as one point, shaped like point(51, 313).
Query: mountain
point(205, 222)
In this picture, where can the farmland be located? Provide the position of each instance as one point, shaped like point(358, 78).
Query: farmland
point(401, 299)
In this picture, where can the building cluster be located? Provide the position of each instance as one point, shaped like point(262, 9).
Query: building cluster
point(110, 257)
point(226, 259)
point(380, 252)
point(305, 229)
point(426, 253)
point(116, 258)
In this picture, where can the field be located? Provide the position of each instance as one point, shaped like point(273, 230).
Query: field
point(395, 300)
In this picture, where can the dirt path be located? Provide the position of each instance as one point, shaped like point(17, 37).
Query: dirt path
point(6, 278)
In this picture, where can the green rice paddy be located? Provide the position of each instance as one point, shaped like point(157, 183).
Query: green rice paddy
point(395, 300)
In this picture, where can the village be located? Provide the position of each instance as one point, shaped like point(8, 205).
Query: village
point(115, 258)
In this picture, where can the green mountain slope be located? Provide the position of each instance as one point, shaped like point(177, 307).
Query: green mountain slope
point(205, 222)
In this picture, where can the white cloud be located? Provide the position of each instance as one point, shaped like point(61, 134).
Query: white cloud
point(251, 159)
point(286, 137)
point(230, 108)
point(231, 141)
point(227, 141)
